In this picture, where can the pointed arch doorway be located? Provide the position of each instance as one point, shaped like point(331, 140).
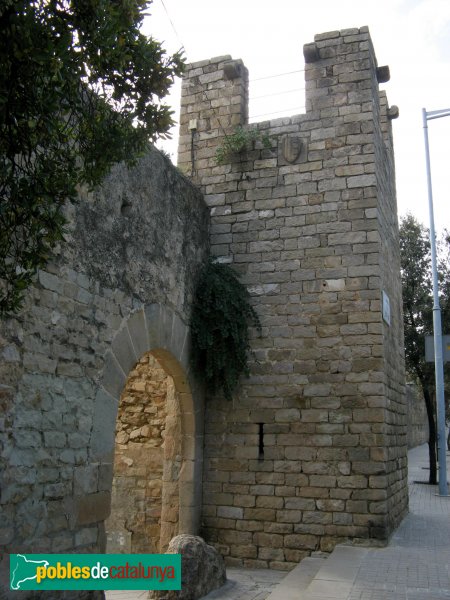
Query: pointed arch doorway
point(157, 445)
point(147, 462)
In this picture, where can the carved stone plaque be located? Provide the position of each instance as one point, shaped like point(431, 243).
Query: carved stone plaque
point(291, 147)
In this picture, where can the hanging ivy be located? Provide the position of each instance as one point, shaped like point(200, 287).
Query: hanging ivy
point(220, 322)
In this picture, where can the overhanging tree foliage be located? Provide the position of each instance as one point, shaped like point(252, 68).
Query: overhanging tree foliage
point(418, 313)
point(80, 89)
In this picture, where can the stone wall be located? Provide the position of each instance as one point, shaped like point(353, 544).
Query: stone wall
point(312, 450)
point(418, 431)
point(121, 286)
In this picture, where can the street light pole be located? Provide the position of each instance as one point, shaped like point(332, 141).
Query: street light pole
point(437, 325)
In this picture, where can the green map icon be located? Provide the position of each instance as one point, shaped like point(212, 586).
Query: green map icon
point(23, 569)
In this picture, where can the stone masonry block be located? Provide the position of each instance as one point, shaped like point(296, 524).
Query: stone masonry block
point(104, 426)
point(153, 321)
point(105, 476)
point(167, 316)
point(124, 351)
point(86, 480)
point(92, 508)
point(178, 337)
point(86, 536)
point(230, 512)
point(113, 378)
point(355, 237)
point(137, 328)
point(51, 282)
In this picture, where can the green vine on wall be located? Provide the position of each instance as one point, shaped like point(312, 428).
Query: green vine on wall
point(220, 322)
point(239, 141)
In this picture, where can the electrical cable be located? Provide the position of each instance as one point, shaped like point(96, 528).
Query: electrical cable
point(204, 91)
point(277, 75)
point(183, 47)
point(277, 93)
point(290, 110)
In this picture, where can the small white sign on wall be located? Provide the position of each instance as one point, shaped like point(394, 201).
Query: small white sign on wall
point(386, 308)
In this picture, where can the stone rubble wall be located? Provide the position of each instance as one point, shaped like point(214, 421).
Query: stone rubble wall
point(121, 285)
point(311, 225)
point(148, 423)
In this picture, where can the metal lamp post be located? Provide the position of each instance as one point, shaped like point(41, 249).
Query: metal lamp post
point(437, 326)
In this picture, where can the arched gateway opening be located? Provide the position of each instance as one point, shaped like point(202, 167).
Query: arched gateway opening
point(158, 441)
point(147, 462)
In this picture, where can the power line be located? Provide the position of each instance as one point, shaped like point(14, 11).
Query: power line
point(277, 93)
point(204, 92)
point(277, 75)
point(183, 47)
point(289, 110)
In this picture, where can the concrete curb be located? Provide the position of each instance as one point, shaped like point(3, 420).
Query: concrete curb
point(297, 580)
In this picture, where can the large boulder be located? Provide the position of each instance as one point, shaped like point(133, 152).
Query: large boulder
point(202, 569)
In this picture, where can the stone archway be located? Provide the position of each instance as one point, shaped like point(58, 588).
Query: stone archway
point(159, 332)
point(145, 491)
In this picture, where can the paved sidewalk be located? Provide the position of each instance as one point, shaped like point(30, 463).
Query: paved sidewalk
point(242, 584)
point(247, 584)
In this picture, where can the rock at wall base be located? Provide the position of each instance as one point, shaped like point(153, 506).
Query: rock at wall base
point(202, 569)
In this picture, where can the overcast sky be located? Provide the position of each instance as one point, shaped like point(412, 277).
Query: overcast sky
point(411, 36)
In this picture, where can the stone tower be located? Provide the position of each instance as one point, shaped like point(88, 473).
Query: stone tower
point(312, 450)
